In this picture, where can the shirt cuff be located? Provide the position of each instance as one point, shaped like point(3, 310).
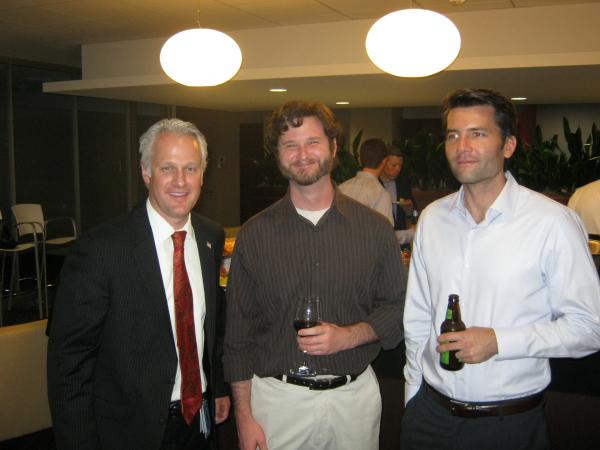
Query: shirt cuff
point(388, 331)
point(511, 342)
point(410, 390)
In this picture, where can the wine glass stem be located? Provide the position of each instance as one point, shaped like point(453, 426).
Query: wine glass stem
point(304, 352)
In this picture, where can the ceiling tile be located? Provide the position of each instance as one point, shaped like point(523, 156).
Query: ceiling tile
point(469, 5)
point(360, 9)
point(528, 3)
point(289, 12)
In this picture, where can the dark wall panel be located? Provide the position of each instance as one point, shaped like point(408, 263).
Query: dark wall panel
point(102, 165)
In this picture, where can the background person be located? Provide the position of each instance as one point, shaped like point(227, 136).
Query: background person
point(132, 322)
point(527, 285)
point(398, 184)
point(585, 201)
point(313, 242)
point(364, 187)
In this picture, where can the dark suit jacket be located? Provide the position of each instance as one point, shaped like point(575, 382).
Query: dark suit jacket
point(403, 190)
point(111, 352)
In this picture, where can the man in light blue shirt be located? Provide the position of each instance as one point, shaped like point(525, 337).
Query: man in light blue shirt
point(527, 285)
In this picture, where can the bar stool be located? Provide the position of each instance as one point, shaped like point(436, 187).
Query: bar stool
point(22, 230)
point(52, 244)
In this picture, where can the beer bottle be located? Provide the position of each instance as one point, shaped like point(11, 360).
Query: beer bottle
point(453, 322)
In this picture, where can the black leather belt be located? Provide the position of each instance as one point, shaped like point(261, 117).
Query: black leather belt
point(317, 384)
point(470, 409)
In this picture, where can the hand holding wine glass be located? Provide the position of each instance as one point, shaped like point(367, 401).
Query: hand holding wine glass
point(307, 315)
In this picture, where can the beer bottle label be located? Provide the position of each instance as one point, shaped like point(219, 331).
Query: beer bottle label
point(445, 358)
point(449, 314)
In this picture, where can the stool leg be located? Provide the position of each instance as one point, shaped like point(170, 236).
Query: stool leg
point(39, 282)
point(2, 287)
point(45, 279)
point(13, 275)
point(2, 274)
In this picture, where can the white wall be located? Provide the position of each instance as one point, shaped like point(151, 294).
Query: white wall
point(375, 123)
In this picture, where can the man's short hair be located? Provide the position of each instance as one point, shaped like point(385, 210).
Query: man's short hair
point(291, 114)
point(372, 153)
point(394, 150)
point(505, 112)
point(175, 126)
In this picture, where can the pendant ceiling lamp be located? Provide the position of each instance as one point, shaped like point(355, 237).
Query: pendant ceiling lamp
point(413, 43)
point(200, 57)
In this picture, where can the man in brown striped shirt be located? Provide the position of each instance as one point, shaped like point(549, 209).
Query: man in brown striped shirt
point(313, 242)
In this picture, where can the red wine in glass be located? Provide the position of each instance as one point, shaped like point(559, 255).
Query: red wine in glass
point(307, 315)
point(299, 324)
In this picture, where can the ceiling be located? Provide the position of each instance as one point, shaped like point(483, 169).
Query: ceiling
point(54, 30)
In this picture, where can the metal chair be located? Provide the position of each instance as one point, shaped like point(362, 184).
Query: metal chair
point(22, 230)
point(33, 212)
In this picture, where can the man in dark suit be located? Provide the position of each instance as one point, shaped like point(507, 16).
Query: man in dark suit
point(397, 183)
point(133, 361)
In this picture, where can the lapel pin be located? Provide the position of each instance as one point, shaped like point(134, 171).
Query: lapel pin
point(209, 245)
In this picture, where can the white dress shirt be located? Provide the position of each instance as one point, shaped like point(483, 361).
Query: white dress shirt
point(524, 271)
point(162, 233)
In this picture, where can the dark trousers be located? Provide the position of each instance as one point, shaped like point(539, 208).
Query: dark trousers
point(181, 436)
point(428, 425)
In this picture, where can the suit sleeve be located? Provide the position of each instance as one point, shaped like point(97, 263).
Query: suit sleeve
point(221, 388)
point(81, 304)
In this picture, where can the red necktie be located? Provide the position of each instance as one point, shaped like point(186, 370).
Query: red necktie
point(191, 384)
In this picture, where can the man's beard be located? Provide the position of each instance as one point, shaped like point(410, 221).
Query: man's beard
point(306, 179)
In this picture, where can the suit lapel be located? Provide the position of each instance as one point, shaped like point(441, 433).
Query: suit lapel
point(146, 260)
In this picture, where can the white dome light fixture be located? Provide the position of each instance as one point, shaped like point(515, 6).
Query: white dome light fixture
point(201, 57)
point(413, 43)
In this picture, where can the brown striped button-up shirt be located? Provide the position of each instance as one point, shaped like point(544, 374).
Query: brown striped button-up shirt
point(350, 260)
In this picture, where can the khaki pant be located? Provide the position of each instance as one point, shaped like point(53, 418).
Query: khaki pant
point(295, 417)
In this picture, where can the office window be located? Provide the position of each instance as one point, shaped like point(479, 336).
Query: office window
point(43, 134)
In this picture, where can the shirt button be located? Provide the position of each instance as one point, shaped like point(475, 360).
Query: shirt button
point(317, 264)
point(162, 421)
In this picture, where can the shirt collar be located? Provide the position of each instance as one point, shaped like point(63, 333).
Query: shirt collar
point(387, 182)
point(503, 206)
point(363, 174)
point(506, 203)
point(285, 209)
point(161, 229)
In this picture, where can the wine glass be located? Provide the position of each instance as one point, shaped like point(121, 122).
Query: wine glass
point(308, 315)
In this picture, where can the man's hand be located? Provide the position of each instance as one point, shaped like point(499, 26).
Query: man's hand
point(222, 405)
point(250, 434)
point(329, 338)
point(474, 345)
